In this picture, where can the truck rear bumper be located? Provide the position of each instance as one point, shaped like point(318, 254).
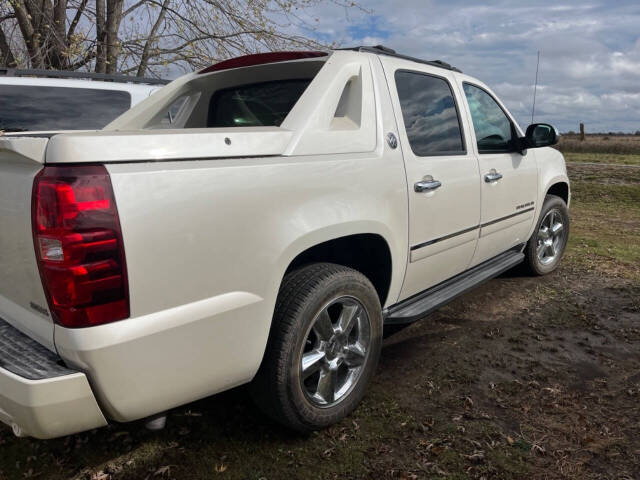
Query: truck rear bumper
point(38, 396)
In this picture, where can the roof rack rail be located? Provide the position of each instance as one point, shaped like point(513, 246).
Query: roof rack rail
point(13, 72)
point(382, 50)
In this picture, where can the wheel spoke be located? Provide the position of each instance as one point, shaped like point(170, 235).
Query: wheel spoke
point(326, 385)
point(354, 356)
point(323, 326)
point(541, 249)
point(556, 229)
point(348, 317)
point(311, 363)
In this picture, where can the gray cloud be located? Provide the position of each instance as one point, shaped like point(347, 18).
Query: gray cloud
point(590, 53)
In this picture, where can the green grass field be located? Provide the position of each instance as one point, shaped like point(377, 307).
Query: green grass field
point(606, 158)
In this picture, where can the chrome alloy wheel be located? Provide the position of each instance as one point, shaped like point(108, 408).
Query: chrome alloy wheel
point(550, 237)
point(335, 351)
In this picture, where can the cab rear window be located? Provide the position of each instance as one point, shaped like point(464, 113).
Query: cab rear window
point(36, 108)
point(255, 105)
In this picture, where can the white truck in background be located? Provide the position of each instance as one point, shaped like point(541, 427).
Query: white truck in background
point(293, 206)
point(49, 100)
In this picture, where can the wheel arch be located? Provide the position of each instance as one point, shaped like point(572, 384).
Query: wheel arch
point(368, 253)
point(559, 189)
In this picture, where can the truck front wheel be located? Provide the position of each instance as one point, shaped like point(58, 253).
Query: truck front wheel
point(547, 244)
point(323, 347)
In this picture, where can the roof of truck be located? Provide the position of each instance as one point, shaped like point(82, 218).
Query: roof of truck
point(382, 50)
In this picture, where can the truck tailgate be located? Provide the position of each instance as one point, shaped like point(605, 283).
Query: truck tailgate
point(22, 299)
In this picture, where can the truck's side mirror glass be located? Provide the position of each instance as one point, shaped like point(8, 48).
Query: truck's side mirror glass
point(540, 135)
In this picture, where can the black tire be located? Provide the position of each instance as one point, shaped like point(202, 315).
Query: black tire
point(533, 264)
point(277, 388)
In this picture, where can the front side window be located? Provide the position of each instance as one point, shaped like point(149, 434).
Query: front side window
point(255, 105)
point(27, 108)
point(493, 128)
point(430, 114)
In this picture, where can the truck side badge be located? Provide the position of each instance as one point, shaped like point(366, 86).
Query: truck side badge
point(392, 140)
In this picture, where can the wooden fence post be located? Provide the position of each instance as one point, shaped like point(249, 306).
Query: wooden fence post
point(582, 132)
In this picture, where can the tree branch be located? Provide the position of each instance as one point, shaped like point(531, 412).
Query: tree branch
point(144, 59)
point(76, 19)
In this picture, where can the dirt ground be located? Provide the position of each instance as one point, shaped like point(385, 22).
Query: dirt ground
point(524, 378)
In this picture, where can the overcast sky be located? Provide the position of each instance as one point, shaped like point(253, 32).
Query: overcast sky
point(590, 51)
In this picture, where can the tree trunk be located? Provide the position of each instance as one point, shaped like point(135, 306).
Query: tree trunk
point(114, 17)
point(31, 39)
point(101, 36)
point(58, 44)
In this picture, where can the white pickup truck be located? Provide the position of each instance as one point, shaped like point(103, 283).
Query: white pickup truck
point(259, 221)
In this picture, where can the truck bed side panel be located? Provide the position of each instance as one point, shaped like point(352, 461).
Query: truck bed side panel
point(207, 244)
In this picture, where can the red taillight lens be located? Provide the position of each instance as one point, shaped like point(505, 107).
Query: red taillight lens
point(78, 242)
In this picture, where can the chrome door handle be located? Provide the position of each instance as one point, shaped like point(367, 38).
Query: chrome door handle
point(426, 186)
point(492, 176)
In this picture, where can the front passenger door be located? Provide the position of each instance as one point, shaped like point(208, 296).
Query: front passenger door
point(508, 179)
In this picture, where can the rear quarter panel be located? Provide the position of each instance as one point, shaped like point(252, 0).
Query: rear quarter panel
point(207, 245)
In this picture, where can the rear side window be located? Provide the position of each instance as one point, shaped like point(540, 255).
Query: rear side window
point(34, 108)
point(430, 114)
point(255, 105)
point(493, 128)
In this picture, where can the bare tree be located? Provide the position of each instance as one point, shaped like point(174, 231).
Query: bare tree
point(143, 37)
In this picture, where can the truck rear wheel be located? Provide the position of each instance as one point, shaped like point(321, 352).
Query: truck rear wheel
point(549, 240)
point(323, 347)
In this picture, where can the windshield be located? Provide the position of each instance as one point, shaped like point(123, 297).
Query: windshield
point(36, 108)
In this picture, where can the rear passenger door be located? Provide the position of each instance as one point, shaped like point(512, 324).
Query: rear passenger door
point(508, 179)
point(442, 173)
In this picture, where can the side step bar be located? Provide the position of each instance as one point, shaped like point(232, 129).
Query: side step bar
point(418, 306)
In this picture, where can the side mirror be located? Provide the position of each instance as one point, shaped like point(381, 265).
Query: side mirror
point(539, 135)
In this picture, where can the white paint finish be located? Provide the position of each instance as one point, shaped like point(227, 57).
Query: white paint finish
point(184, 243)
point(131, 146)
point(49, 408)
point(500, 199)
point(196, 253)
point(452, 208)
point(149, 364)
point(439, 247)
point(312, 117)
point(551, 170)
point(20, 283)
point(21, 149)
point(112, 334)
point(181, 227)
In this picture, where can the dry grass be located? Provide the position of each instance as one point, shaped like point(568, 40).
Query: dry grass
point(627, 144)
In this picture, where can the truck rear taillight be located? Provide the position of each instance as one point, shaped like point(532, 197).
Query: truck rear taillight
point(78, 242)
